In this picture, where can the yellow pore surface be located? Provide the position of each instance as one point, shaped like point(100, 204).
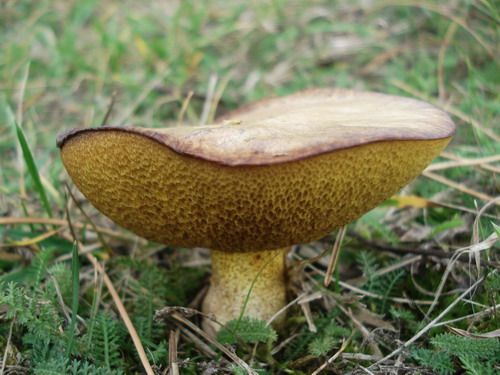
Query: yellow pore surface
point(165, 197)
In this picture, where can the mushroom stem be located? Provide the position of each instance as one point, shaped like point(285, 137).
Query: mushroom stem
point(233, 276)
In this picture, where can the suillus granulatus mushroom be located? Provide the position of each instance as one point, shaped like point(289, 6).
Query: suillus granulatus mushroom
point(275, 173)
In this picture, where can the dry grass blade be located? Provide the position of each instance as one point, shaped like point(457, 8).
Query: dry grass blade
point(363, 292)
point(33, 240)
point(463, 162)
point(104, 244)
point(124, 315)
point(450, 33)
point(335, 356)
point(365, 333)
point(82, 250)
point(7, 346)
point(484, 245)
point(462, 116)
point(457, 186)
point(335, 255)
point(475, 230)
point(431, 325)
point(480, 314)
point(212, 83)
point(283, 309)
point(222, 348)
point(184, 107)
point(425, 252)
point(443, 11)
point(61, 222)
point(110, 109)
point(149, 87)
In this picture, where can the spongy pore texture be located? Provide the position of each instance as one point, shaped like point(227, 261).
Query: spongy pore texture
point(179, 200)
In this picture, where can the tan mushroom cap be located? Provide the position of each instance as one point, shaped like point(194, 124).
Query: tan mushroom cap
point(275, 173)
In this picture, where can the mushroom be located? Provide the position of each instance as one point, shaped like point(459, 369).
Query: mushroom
point(275, 173)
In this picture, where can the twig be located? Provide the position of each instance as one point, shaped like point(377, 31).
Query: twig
point(479, 314)
point(361, 356)
point(308, 315)
point(172, 354)
point(431, 325)
point(124, 315)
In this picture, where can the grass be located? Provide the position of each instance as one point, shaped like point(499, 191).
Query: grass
point(62, 62)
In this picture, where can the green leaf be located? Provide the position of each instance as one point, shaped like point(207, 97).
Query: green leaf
point(250, 331)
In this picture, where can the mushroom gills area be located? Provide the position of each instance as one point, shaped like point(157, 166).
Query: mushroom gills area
point(259, 275)
point(178, 200)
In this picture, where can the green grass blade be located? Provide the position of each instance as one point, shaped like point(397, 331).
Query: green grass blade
point(75, 277)
point(30, 163)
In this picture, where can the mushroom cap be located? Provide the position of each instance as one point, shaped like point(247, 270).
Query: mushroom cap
point(275, 173)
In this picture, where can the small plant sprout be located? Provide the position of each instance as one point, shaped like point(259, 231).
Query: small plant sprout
point(292, 170)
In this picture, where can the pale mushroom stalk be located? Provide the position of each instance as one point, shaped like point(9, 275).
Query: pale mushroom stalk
point(276, 173)
point(259, 275)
